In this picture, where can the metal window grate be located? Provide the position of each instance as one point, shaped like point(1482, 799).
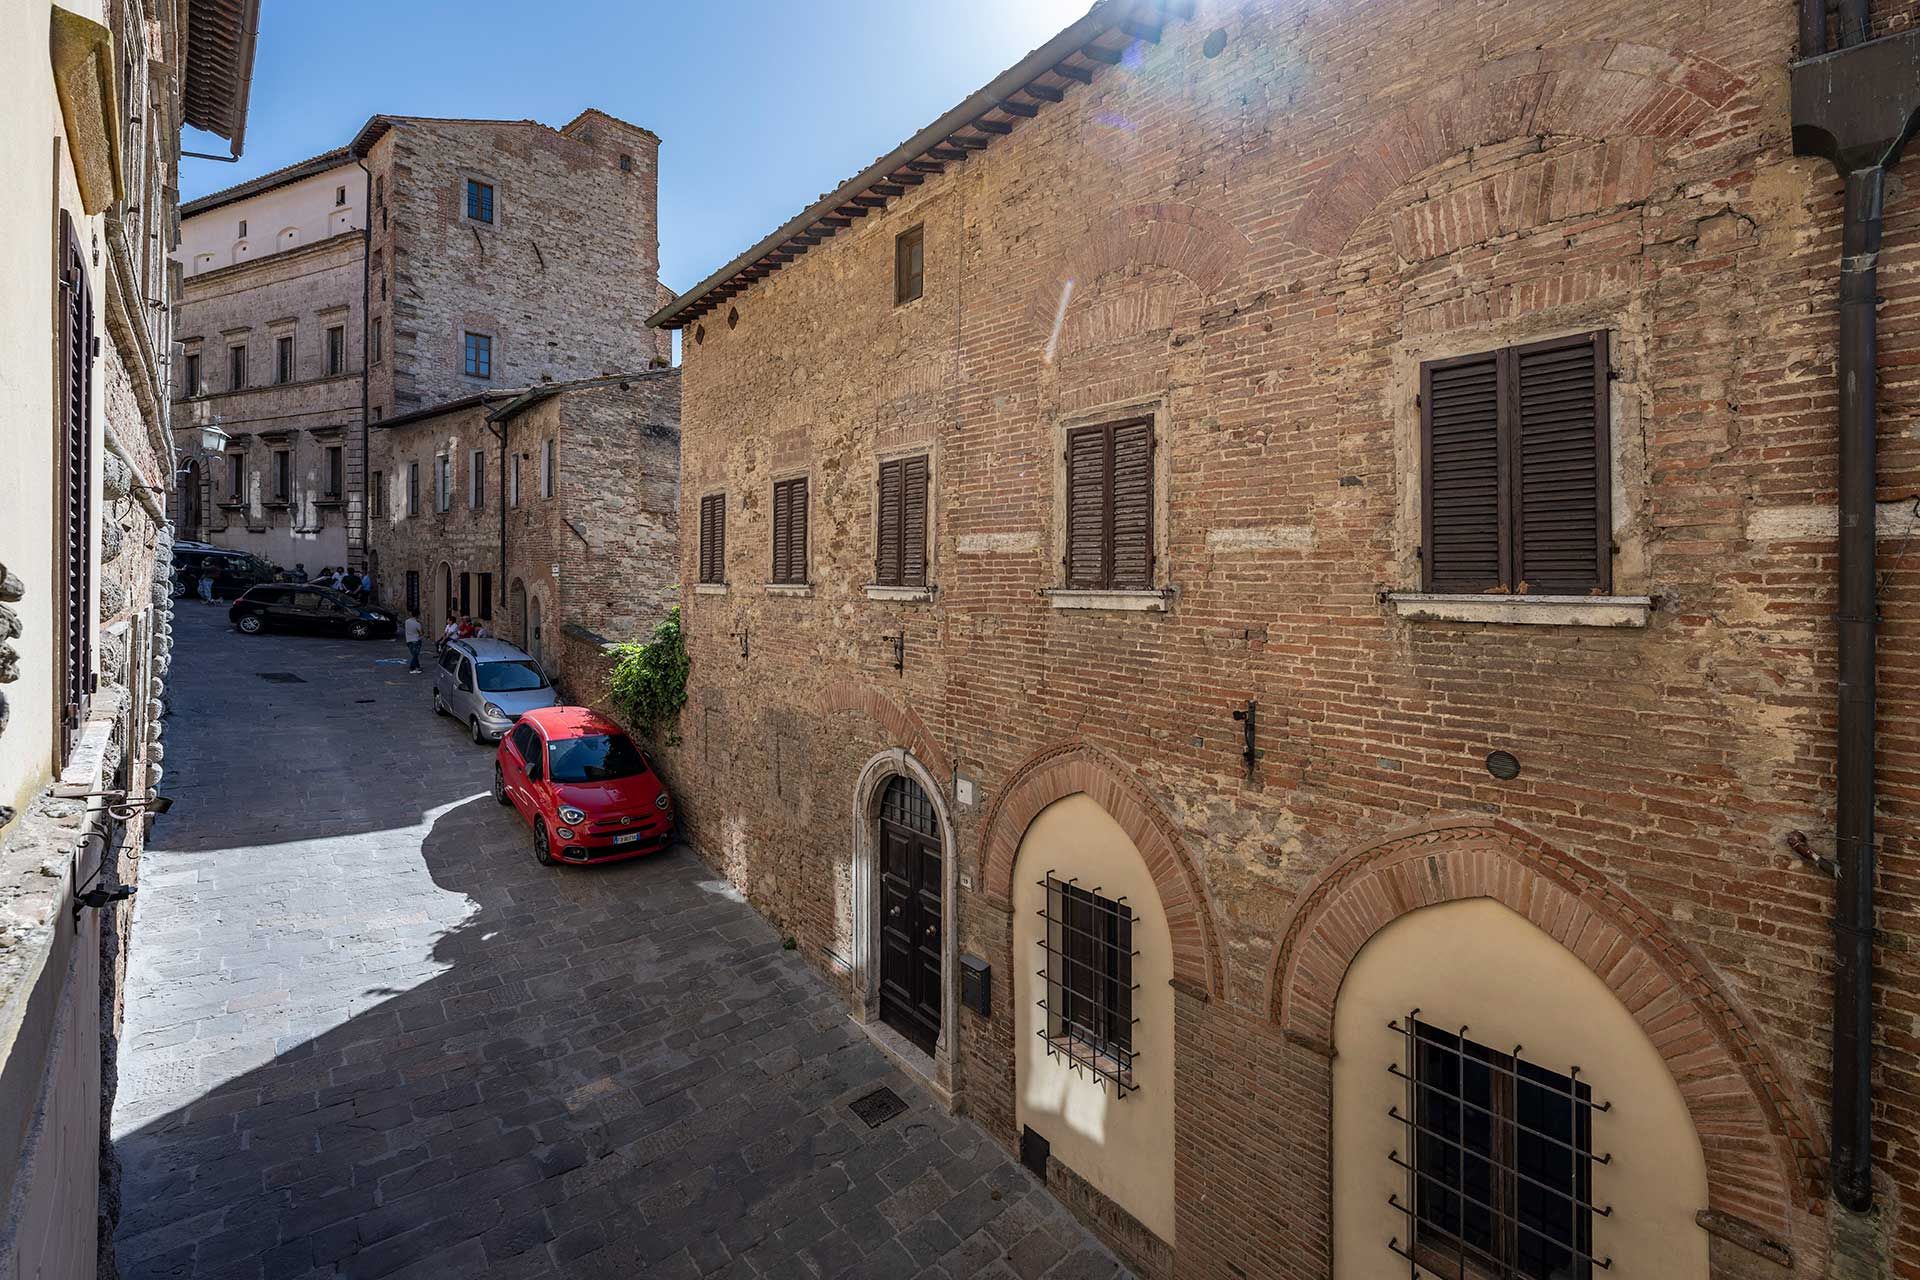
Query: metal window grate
point(906, 804)
point(1498, 1161)
point(1088, 977)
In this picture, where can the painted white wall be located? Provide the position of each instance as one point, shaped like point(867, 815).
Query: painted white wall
point(1480, 965)
point(305, 208)
point(34, 156)
point(1123, 1147)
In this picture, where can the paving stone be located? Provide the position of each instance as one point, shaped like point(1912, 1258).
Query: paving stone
point(367, 1036)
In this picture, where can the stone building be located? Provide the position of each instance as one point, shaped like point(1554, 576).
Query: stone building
point(97, 91)
point(547, 512)
point(1260, 596)
point(417, 265)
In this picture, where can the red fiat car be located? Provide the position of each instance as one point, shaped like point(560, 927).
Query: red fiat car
point(590, 793)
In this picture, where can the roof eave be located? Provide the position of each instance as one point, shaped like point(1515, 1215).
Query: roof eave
point(226, 115)
point(1104, 15)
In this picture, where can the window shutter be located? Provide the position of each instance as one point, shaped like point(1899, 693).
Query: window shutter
point(780, 536)
point(1132, 538)
point(713, 538)
point(889, 556)
point(76, 396)
point(1465, 511)
point(1086, 516)
point(1563, 481)
point(913, 542)
point(796, 531)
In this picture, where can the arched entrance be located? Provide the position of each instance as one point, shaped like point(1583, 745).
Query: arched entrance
point(899, 914)
point(517, 612)
point(443, 604)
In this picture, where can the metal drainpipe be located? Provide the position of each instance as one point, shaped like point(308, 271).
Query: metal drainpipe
point(1852, 1156)
point(366, 372)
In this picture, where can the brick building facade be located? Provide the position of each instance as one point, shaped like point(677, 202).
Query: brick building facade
point(541, 512)
point(1179, 326)
point(435, 248)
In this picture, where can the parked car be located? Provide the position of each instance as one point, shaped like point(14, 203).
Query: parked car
point(589, 793)
point(288, 607)
point(233, 571)
point(487, 685)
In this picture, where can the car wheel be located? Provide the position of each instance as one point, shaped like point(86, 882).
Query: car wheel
point(249, 624)
point(499, 785)
point(479, 737)
point(542, 849)
point(359, 631)
point(439, 707)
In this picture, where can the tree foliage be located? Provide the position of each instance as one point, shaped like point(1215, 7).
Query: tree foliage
point(649, 683)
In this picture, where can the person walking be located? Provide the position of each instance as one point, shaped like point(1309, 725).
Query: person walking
point(410, 630)
point(299, 573)
point(366, 587)
point(206, 587)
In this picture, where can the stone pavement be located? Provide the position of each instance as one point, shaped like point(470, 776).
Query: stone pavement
point(368, 1036)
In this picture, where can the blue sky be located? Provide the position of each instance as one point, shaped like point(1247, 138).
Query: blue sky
point(760, 106)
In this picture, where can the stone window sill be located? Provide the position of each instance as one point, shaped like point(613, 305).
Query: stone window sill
point(1158, 600)
point(709, 588)
point(789, 588)
point(901, 595)
point(1540, 611)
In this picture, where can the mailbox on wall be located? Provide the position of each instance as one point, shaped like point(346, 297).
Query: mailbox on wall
point(976, 985)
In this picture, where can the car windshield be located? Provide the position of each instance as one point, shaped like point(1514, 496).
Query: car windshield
point(511, 677)
point(599, 758)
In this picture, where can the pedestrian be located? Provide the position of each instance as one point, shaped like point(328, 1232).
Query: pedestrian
point(206, 587)
point(480, 631)
point(449, 633)
point(466, 629)
point(411, 631)
point(366, 587)
point(299, 573)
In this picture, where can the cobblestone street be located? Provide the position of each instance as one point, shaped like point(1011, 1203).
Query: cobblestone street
point(367, 1035)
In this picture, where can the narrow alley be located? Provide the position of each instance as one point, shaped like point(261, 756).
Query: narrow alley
point(367, 1035)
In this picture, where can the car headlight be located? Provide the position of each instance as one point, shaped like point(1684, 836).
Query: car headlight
point(563, 833)
point(662, 801)
point(570, 814)
point(498, 714)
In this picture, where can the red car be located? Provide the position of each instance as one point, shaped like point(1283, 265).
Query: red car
point(591, 795)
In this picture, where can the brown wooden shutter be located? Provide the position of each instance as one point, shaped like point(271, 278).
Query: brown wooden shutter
point(1087, 497)
point(713, 538)
point(913, 542)
point(1132, 506)
point(790, 531)
point(1562, 478)
point(76, 499)
point(779, 533)
point(888, 534)
point(1463, 496)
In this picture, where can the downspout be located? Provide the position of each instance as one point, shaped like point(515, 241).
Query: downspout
point(366, 372)
point(505, 597)
point(1856, 106)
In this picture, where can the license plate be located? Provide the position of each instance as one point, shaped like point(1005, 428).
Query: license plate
point(631, 837)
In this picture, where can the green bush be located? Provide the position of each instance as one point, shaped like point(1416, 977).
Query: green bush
point(649, 684)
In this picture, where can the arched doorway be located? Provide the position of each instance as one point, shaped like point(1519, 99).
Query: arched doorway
point(443, 606)
point(532, 645)
point(912, 891)
point(517, 612)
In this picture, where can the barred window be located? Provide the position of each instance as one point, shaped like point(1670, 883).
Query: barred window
point(1089, 981)
point(1498, 1159)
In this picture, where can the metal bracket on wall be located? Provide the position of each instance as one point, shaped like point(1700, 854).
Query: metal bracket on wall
point(1247, 717)
point(741, 636)
point(900, 651)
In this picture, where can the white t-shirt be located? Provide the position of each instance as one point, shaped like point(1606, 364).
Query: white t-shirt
point(412, 630)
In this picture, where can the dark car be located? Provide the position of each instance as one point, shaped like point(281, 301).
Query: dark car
point(232, 571)
point(298, 607)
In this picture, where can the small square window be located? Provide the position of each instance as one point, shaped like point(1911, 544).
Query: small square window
point(479, 356)
point(909, 265)
point(479, 201)
point(243, 228)
point(626, 164)
point(339, 195)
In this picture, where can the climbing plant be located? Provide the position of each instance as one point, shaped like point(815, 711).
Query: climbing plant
point(649, 683)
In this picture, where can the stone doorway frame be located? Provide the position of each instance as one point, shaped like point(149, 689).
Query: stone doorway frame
point(936, 1071)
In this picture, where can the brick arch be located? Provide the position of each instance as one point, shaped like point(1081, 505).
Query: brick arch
point(1201, 247)
point(1762, 1153)
point(1600, 90)
point(903, 728)
point(1076, 768)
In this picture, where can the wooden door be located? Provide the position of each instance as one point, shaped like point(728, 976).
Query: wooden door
point(911, 981)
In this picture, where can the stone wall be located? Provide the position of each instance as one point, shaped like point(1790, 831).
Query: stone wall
point(1256, 228)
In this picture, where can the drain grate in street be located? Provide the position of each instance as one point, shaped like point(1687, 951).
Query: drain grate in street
point(878, 1107)
point(363, 701)
point(280, 677)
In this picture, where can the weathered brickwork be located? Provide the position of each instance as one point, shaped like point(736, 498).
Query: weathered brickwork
point(587, 476)
point(1258, 241)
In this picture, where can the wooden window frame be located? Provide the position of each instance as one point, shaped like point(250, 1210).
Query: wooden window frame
point(285, 368)
point(791, 569)
point(713, 540)
point(236, 478)
point(413, 488)
point(476, 354)
point(237, 371)
point(909, 277)
point(190, 375)
point(549, 467)
point(336, 350)
point(476, 479)
point(892, 564)
point(377, 494)
point(1511, 550)
point(480, 201)
point(1108, 579)
point(333, 458)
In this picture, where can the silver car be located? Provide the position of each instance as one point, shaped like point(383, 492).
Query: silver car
point(487, 685)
